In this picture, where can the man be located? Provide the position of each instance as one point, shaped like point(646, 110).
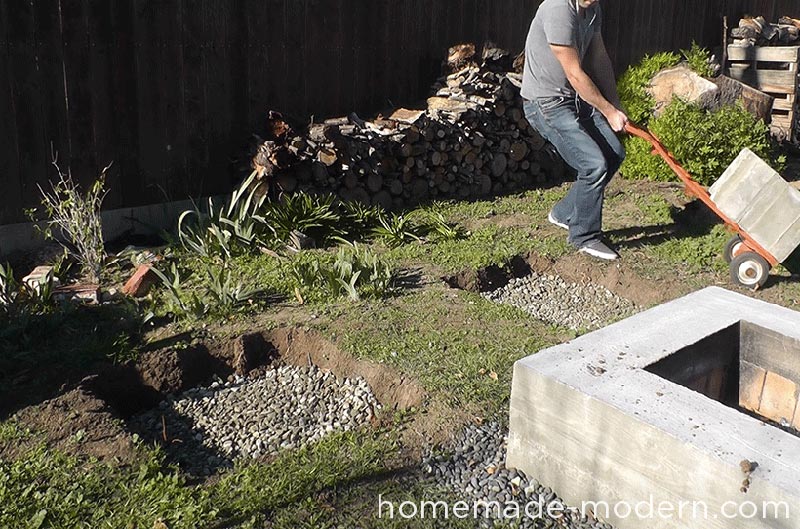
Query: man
point(571, 99)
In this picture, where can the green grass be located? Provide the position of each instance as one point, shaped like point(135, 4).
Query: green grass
point(485, 246)
point(333, 481)
point(47, 488)
point(457, 344)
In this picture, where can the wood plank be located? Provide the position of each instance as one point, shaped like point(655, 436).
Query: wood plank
point(780, 82)
point(764, 53)
point(11, 205)
point(294, 39)
point(148, 70)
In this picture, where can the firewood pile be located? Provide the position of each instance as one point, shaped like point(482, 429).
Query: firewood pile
point(758, 32)
point(470, 140)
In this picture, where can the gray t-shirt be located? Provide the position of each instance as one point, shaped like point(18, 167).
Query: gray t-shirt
point(556, 22)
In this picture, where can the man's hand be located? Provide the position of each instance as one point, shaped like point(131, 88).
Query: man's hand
point(617, 119)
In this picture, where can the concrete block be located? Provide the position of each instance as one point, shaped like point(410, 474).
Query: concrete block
point(779, 399)
point(753, 195)
point(39, 277)
point(628, 434)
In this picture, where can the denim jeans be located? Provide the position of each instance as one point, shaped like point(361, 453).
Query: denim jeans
point(585, 140)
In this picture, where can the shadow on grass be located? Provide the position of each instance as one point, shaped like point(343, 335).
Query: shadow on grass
point(41, 355)
point(694, 220)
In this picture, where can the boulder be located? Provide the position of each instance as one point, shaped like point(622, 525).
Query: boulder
point(683, 83)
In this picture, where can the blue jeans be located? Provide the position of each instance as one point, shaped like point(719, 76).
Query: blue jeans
point(583, 137)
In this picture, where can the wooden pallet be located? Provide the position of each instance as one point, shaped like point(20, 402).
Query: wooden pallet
point(773, 70)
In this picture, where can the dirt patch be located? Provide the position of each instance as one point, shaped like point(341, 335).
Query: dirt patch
point(78, 422)
point(489, 278)
point(300, 347)
point(88, 420)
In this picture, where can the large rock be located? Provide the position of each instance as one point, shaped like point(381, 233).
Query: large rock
point(683, 83)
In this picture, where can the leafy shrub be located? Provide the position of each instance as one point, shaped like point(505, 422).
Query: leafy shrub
point(225, 231)
point(355, 272)
point(699, 60)
point(704, 142)
point(632, 85)
point(437, 227)
point(359, 220)
point(76, 216)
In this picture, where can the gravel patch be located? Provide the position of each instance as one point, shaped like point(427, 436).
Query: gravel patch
point(553, 300)
point(474, 468)
point(207, 428)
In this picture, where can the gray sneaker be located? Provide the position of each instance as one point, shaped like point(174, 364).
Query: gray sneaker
point(599, 249)
point(553, 220)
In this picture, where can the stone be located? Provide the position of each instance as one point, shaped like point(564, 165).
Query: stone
point(683, 83)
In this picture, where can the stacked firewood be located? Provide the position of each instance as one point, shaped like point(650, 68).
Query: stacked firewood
point(470, 140)
point(758, 32)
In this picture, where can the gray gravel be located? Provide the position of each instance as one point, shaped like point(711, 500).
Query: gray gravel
point(473, 468)
point(553, 300)
point(209, 427)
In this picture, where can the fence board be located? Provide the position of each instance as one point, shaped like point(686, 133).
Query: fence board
point(125, 119)
point(9, 155)
point(169, 89)
point(28, 99)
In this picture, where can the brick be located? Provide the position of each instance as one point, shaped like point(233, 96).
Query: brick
point(751, 385)
point(140, 282)
point(779, 399)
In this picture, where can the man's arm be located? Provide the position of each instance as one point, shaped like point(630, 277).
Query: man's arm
point(601, 70)
point(586, 88)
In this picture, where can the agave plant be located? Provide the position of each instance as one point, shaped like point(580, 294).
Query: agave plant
point(359, 218)
point(437, 225)
point(396, 230)
point(312, 216)
point(223, 231)
point(226, 292)
point(355, 273)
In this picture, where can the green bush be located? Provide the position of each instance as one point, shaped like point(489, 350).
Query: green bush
point(632, 86)
point(636, 102)
point(704, 142)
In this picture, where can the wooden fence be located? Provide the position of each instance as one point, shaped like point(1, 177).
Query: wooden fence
point(170, 89)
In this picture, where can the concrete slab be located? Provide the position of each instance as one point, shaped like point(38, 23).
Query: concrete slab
point(588, 419)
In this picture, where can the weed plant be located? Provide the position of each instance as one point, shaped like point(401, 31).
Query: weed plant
point(73, 220)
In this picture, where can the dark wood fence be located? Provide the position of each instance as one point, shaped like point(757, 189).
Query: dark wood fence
point(169, 89)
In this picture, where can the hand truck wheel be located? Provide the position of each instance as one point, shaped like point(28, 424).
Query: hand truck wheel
point(731, 247)
point(749, 270)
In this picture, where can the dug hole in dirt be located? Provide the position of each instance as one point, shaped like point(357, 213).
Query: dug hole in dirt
point(85, 420)
point(573, 268)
